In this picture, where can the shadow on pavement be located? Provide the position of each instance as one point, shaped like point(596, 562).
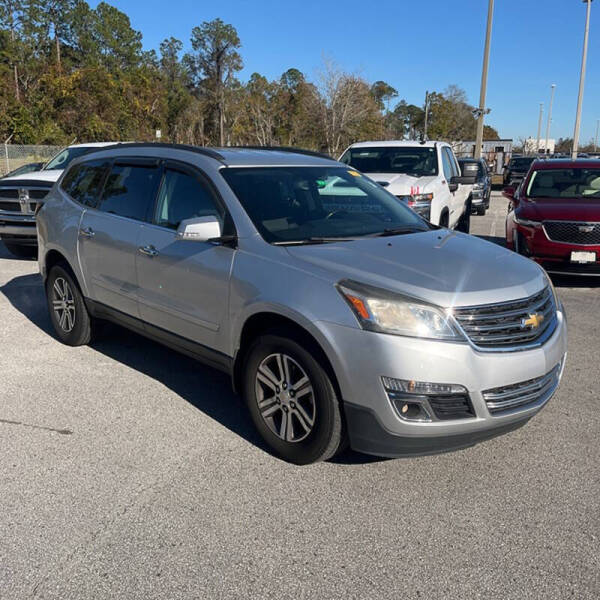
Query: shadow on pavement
point(206, 389)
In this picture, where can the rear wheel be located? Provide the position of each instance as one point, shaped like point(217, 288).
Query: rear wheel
point(292, 400)
point(481, 210)
point(21, 250)
point(69, 315)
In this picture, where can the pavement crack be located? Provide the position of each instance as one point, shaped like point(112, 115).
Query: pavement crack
point(32, 426)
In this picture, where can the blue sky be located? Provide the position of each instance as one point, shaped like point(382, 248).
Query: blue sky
point(415, 45)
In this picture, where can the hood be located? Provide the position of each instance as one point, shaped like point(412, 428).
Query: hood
point(443, 267)
point(560, 209)
point(49, 176)
point(401, 184)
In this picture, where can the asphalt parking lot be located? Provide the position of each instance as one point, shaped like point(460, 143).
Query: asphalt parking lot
point(129, 471)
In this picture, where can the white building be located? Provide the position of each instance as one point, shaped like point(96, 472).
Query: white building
point(531, 146)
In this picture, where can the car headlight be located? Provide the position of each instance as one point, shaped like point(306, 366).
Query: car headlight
point(388, 312)
point(526, 222)
point(422, 197)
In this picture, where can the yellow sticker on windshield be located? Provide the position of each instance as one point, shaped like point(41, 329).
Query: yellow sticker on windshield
point(354, 173)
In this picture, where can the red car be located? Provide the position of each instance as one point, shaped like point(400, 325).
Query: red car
point(554, 216)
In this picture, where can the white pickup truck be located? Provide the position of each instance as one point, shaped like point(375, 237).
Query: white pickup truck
point(426, 175)
point(20, 194)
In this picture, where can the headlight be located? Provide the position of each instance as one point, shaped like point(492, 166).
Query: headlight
point(387, 312)
point(526, 222)
point(422, 197)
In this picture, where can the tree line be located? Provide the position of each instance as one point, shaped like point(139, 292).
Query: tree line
point(70, 72)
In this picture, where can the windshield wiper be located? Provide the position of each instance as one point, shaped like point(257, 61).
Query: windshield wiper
point(314, 240)
point(397, 231)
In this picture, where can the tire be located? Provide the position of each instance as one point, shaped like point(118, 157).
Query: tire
point(464, 223)
point(313, 429)
point(444, 219)
point(481, 210)
point(69, 315)
point(21, 251)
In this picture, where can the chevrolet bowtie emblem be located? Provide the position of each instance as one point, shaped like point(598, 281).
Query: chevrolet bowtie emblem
point(533, 321)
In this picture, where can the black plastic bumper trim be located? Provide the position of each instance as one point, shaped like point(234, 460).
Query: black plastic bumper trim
point(368, 435)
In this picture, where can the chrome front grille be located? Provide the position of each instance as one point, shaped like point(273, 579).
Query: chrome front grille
point(21, 199)
point(520, 394)
point(509, 325)
point(573, 232)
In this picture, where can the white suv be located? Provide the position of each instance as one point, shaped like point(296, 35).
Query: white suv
point(426, 175)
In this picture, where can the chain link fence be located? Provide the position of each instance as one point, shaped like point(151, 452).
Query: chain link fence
point(15, 156)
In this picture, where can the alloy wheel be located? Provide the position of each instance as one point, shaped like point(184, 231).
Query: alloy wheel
point(63, 304)
point(285, 397)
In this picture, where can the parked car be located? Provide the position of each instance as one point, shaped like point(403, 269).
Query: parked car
point(339, 313)
point(554, 216)
point(516, 169)
point(21, 193)
point(426, 175)
point(22, 170)
point(482, 189)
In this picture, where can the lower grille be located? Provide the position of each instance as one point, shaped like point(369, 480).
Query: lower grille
point(451, 407)
point(521, 394)
point(10, 206)
point(573, 232)
point(518, 323)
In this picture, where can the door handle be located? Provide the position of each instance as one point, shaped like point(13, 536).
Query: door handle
point(148, 250)
point(88, 232)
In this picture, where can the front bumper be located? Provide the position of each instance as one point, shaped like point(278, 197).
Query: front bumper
point(361, 358)
point(20, 225)
point(555, 257)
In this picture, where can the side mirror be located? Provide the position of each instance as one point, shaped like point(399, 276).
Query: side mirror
point(464, 180)
point(452, 186)
point(199, 229)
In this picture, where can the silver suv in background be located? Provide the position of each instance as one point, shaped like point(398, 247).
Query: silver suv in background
point(340, 314)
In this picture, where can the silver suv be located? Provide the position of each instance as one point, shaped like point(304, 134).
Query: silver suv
point(340, 314)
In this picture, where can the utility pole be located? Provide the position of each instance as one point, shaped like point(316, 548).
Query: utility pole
point(540, 127)
point(549, 118)
point(596, 138)
point(484, 75)
point(586, 36)
point(426, 114)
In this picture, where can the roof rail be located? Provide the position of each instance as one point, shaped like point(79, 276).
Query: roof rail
point(197, 149)
point(280, 149)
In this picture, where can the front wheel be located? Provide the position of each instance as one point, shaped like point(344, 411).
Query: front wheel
point(292, 400)
point(68, 312)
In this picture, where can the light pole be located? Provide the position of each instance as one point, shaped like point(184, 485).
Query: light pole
point(582, 79)
point(596, 138)
point(484, 74)
point(549, 118)
point(540, 126)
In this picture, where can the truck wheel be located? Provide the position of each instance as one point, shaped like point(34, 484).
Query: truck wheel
point(292, 400)
point(464, 223)
point(21, 251)
point(481, 210)
point(68, 312)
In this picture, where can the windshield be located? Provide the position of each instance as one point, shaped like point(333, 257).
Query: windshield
point(565, 183)
point(63, 158)
point(418, 161)
point(315, 204)
point(521, 164)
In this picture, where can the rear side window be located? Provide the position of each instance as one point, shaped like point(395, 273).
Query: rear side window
point(130, 191)
point(84, 182)
point(184, 196)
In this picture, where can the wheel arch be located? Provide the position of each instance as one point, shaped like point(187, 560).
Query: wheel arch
point(265, 321)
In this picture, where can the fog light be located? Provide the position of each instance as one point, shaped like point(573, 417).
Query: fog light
point(425, 401)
